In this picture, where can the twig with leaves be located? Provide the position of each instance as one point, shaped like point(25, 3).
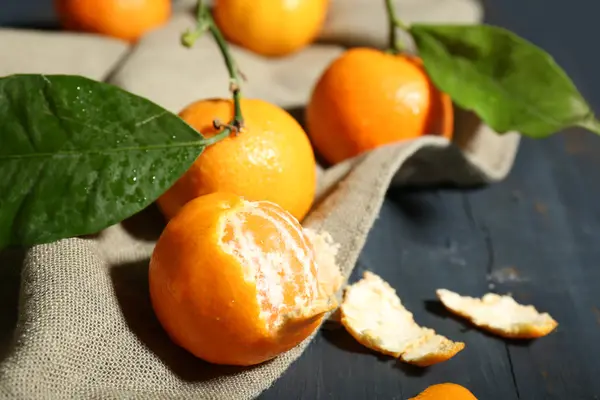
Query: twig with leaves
point(511, 84)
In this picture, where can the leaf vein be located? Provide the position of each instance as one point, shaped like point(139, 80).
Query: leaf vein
point(45, 78)
point(74, 153)
point(95, 185)
point(18, 215)
point(150, 119)
point(54, 110)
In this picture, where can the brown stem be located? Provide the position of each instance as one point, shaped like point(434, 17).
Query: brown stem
point(205, 22)
point(395, 45)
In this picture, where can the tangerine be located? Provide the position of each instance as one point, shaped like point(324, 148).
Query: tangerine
point(445, 391)
point(271, 159)
point(270, 27)
point(124, 19)
point(236, 282)
point(368, 98)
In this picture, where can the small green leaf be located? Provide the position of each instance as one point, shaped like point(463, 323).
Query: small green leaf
point(77, 156)
point(511, 84)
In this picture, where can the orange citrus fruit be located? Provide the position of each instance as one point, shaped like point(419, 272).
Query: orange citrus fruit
point(271, 159)
point(235, 282)
point(270, 27)
point(368, 98)
point(123, 19)
point(445, 391)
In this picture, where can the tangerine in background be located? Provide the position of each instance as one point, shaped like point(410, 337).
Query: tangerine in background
point(445, 391)
point(368, 98)
point(123, 19)
point(235, 282)
point(271, 159)
point(270, 27)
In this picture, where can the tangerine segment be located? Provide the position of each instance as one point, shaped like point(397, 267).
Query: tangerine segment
point(229, 278)
point(367, 98)
point(501, 315)
point(445, 391)
point(374, 315)
point(275, 255)
point(325, 252)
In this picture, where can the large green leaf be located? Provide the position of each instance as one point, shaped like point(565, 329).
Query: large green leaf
point(507, 81)
point(78, 155)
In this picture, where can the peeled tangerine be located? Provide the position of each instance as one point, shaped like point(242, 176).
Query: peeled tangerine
point(501, 315)
point(239, 282)
point(374, 315)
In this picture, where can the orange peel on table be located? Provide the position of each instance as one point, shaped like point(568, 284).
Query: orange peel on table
point(445, 391)
point(500, 315)
point(374, 315)
point(239, 282)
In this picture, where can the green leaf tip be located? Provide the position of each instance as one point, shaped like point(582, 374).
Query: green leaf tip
point(591, 124)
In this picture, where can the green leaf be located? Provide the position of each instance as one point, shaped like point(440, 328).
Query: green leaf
point(511, 84)
point(77, 156)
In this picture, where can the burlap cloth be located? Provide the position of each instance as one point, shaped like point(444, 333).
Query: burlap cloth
point(77, 321)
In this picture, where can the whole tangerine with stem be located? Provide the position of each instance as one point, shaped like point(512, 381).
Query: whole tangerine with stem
point(236, 282)
point(270, 159)
point(368, 98)
point(445, 391)
point(270, 27)
point(123, 19)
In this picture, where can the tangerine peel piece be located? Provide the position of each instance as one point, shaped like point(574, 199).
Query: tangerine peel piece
point(500, 315)
point(374, 315)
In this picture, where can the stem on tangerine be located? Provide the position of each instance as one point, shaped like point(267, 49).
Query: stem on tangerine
point(395, 45)
point(204, 22)
point(218, 137)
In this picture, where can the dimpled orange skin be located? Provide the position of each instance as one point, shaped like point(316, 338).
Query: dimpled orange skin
point(445, 391)
point(199, 291)
point(123, 19)
point(270, 27)
point(271, 159)
point(367, 98)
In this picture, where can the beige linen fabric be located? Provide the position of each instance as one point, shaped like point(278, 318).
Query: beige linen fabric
point(85, 327)
point(47, 52)
point(364, 22)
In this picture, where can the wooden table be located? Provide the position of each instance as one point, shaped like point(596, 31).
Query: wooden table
point(535, 235)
